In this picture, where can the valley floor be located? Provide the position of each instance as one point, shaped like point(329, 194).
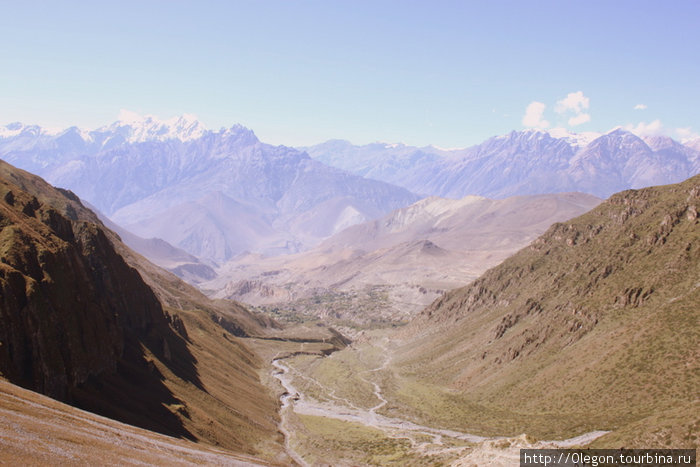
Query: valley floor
point(340, 405)
point(347, 408)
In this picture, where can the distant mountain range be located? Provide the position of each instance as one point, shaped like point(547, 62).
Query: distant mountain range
point(522, 163)
point(218, 194)
point(214, 194)
point(581, 330)
point(413, 255)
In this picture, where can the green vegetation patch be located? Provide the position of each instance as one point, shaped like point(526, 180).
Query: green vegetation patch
point(337, 442)
point(367, 308)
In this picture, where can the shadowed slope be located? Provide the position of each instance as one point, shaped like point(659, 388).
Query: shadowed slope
point(74, 313)
point(81, 324)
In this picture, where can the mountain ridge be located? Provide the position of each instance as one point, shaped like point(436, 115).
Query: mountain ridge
point(86, 320)
point(587, 325)
point(411, 255)
point(522, 162)
point(135, 171)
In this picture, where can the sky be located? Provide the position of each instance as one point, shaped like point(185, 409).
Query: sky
point(446, 73)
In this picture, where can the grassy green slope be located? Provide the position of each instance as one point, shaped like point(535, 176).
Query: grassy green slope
point(593, 326)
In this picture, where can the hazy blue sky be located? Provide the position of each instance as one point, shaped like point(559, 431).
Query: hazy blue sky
point(449, 73)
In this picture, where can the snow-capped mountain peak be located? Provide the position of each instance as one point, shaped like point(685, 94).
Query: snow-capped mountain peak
point(693, 144)
point(17, 128)
point(578, 140)
point(136, 128)
point(239, 135)
point(11, 129)
point(526, 133)
point(74, 131)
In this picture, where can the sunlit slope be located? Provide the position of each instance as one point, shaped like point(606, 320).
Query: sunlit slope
point(595, 325)
point(33, 431)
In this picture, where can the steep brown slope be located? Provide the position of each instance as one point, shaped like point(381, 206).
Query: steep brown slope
point(79, 323)
point(33, 432)
point(70, 303)
point(595, 325)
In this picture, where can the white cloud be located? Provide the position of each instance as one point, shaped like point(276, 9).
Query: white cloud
point(533, 115)
point(686, 134)
point(574, 105)
point(579, 119)
point(640, 107)
point(574, 102)
point(656, 128)
point(646, 129)
point(127, 116)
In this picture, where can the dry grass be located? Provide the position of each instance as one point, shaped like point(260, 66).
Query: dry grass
point(335, 442)
point(594, 326)
point(232, 409)
point(36, 431)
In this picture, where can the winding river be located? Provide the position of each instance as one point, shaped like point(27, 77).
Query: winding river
point(293, 399)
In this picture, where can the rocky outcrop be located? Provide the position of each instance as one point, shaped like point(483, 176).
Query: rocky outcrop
point(595, 317)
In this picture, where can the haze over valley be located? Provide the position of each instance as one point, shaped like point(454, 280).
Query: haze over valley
point(347, 234)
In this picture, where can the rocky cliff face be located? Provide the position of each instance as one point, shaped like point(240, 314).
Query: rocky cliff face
point(85, 320)
point(69, 302)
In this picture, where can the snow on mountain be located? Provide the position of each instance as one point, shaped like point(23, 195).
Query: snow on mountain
point(17, 128)
point(693, 144)
point(214, 194)
point(131, 127)
point(137, 128)
point(11, 130)
point(141, 171)
point(579, 140)
point(523, 162)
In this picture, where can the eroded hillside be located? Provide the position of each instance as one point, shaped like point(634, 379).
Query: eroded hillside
point(593, 326)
